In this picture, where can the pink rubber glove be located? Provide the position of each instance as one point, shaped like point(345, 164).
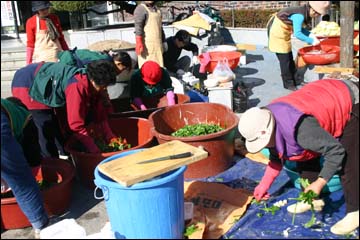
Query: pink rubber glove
point(204, 61)
point(29, 55)
point(139, 47)
point(139, 104)
point(170, 98)
point(271, 172)
point(107, 131)
point(88, 143)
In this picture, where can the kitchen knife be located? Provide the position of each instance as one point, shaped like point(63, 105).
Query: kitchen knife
point(176, 156)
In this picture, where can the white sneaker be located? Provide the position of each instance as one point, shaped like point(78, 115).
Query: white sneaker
point(346, 225)
point(301, 207)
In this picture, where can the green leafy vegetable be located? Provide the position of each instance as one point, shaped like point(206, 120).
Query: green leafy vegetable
point(308, 198)
point(116, 144)
point(197, 130)
point(266, 209)
point(190, 230)
point(219, 179)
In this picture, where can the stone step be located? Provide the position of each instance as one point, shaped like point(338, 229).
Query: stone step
point(7, 75)
point(10, 64)
point(5, 89)
point(13, 54)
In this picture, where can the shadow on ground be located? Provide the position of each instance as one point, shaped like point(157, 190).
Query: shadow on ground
point(6, 37)
point(253, 58)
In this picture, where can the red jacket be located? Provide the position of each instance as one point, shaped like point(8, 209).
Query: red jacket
point(31, 30)
point(332, 109)
point(82, 105)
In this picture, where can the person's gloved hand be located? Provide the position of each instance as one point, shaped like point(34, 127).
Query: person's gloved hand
point(271, 172)
point(139, 104)
point(139, 45)
point(108, 134)
point(88, 143)
point(170, 98)
point(315, 41)
point(165, 46)
point(180, 73)
point(195, 60)
point(29, 55)
point(204, 61)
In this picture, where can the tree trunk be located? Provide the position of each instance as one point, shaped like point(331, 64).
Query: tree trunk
point(347, 33)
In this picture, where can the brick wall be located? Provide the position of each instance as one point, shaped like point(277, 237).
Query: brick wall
point(235, 4)
point(184, 6)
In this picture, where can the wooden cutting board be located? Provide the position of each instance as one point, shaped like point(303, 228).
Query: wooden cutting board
point(243, 46)
point(324, 69)
point(128, 170)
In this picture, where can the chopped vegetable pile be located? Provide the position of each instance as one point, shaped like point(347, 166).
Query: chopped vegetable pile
point(325, 28)
point(116, 144)
point(197, 130)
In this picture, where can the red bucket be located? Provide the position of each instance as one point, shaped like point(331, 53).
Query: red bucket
point(320, 54)
point(232, 57)
point(57, 198)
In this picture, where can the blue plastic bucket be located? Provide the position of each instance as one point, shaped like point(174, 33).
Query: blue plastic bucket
point(333, 185)
point(196, 96)
point(148, 210)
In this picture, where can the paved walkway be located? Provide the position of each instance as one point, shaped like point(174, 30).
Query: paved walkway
point(261, 74)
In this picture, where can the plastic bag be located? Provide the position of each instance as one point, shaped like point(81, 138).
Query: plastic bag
point(223, 72)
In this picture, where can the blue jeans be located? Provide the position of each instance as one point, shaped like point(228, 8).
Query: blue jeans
point(17, 173)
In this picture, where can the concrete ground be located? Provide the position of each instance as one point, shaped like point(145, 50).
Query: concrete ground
point(261, 74)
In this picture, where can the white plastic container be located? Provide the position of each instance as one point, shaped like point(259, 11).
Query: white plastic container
point(65, 229)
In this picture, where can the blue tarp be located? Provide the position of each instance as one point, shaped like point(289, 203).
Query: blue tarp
point(246, 174)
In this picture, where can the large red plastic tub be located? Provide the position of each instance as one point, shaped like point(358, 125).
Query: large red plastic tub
point(57, 198)
point(233, 59)
point(335, 40)
point(320, 54)
point(219, 145)
point(137, 132)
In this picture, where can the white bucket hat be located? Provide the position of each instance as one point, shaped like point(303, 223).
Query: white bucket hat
point(256, 126)
point(320, 6)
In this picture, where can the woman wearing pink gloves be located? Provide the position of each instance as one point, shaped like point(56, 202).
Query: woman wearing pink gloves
point(44, 34)
point(149, 33)
point(320, 119)
point(151, 80)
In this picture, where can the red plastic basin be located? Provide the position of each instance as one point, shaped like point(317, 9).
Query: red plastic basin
point(137, 132)
point(232, 57)
point(331, 54)
point(57, 198)
point(219, 145)
point(335, 40)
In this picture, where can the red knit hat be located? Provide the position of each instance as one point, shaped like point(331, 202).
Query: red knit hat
point(151, 72)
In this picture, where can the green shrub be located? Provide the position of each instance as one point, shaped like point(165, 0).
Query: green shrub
point(247, 18)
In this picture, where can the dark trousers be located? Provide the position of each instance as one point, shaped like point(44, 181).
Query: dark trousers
point(350, 173)
point(289, 74)
point(287, 69)
point(50, 138)
point(350, 169)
